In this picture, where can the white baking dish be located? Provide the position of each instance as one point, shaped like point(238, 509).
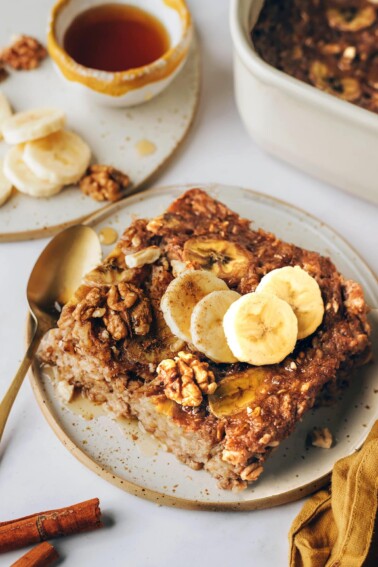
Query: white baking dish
point(317, 132)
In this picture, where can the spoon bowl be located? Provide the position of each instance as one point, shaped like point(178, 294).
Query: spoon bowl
point(59, 270)
point(55, 277)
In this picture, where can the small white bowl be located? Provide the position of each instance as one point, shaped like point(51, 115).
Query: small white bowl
point(327, 137)
point(134, 86)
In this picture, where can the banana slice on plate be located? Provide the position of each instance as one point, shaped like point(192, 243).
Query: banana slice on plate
point(223, 258)
point(62, 157)
point(5, 186)
point(206, 325)
point(5, 111)
point(236, 392)
point(182, 295)
point(260, 329)
point(18, 173)
point(33, 124)
point(302, 293)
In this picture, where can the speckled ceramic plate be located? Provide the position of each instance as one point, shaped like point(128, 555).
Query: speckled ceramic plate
point(113, 134)
point(139, 465)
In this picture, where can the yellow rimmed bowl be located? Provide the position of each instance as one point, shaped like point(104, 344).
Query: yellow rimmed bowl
point(134, 86)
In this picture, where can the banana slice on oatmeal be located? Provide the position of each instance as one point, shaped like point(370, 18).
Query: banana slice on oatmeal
point(351, 18)
point(206, 325)
point(301, 291)
point(181, 297)
point(260, 329)
point(236, 392)
point(325, 79)
point(221, 257)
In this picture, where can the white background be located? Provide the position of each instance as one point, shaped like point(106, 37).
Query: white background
point(37, 472)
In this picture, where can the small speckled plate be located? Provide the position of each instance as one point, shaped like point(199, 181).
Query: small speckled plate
point(130, 459)
point(137, 140)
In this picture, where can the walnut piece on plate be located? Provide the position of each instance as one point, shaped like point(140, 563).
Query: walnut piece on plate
point(24, 54)
point(186, 378)
point(321, 437)
point(104, 183)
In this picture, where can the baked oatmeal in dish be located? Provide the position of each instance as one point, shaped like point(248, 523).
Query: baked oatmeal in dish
point(331, 44)
point(216, 335)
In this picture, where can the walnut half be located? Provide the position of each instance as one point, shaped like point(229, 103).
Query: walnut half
point(123, 309)
point(24, 54)
point(186, 378)
point(104, 183)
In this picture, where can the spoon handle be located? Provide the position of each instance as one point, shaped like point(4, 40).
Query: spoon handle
point(8, 400)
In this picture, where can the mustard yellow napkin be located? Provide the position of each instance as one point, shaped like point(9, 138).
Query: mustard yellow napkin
point(338, 527)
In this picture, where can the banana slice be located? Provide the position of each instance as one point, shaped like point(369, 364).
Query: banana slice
point(301, 291)
point(18, 173)
point(33, 124)
point(350, 18)
point(182, 295)
point(206, 325)
point(223, 258)
point(5, 186)
point(61, 158)
point(324, 78)
point(5, 111)
point(236, 392)
point(260, 329)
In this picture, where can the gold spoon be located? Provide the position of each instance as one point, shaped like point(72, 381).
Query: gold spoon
point(55, 277)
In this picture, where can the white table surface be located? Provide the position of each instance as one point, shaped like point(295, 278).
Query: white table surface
point(37, 472)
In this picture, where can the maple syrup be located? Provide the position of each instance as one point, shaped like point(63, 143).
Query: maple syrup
point(145, 147)
point(116, 37)
point(108, 235)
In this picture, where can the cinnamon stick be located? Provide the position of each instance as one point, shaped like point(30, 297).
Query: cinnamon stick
point(74, 519)
point(41, 555)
